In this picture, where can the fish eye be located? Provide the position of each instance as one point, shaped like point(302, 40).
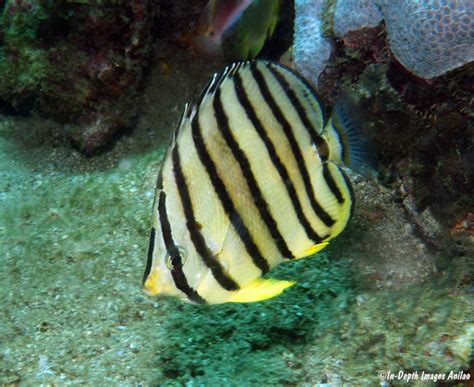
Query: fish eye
point(176, 258)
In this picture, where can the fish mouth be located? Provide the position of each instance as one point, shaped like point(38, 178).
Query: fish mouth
point(150, 286)
point(150, 292)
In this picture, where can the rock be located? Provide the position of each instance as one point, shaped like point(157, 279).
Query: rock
point(76, 62)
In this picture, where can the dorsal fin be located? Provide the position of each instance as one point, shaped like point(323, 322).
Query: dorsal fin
point(184, 115)
point(208, 91)
point(216, 80)
point(182, 119)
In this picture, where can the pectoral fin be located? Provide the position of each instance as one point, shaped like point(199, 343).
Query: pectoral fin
point(312, 250)
point(261, 289)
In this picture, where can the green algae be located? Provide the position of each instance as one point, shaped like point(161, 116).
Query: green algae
point(327, 18)
point(73, 60)
point(316, 329)
point(23, 62)
point(20, 28)
point(252, 343)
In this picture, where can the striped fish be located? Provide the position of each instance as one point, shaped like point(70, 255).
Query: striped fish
point(253, 178)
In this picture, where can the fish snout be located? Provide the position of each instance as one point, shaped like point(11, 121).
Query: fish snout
point(151, 285)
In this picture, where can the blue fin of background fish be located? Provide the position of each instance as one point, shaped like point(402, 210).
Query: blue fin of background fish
point(360, 153)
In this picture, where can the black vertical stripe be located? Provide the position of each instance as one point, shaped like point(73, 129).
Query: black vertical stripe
point(177, 271)
point(149, 260)
point(312, 131)
point(225, 199)
point(309, 89)
point(260, 203)
point(196, 236)
point(279, 166)
point(280, 117)
point(151, 243)
point(332, 184)
point(159, 180)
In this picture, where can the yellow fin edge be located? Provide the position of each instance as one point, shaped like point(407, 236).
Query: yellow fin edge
point(312, 250)
point(261, 289)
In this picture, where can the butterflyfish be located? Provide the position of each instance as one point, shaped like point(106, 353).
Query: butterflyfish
point(254, 177)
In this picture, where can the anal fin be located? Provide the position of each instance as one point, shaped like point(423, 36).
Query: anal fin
point(312, 250)
point(261, 289)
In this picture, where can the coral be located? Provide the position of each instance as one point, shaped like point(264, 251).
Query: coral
point(311, 50)
point(423, 134)
point(422, 129)
point(353, 15)
point(428, 37)
point(23, 64)
point(75, 61)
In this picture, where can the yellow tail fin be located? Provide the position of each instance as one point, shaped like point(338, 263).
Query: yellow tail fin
point(261, 289)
